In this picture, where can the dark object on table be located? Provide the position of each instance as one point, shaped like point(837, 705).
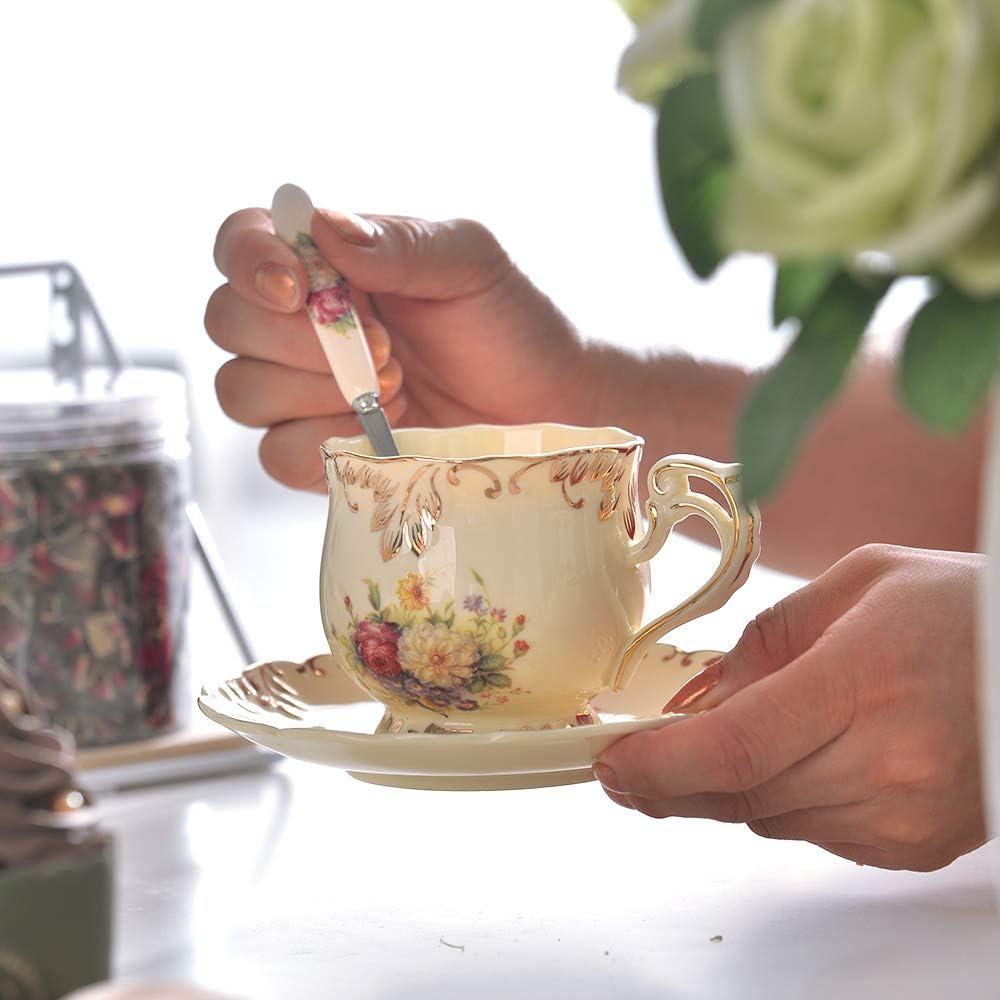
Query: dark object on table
point(55, 868)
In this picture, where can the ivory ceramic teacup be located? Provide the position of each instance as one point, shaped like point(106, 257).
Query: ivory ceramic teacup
point(495, 577)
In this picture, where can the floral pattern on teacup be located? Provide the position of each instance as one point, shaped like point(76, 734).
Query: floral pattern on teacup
point(438, 656)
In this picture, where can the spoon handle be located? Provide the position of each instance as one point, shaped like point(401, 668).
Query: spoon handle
point(333, 316)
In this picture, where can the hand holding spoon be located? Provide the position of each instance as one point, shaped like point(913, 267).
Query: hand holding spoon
point(334, 318)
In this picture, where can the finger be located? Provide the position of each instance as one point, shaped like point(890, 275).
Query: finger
point(13, 813)
point(890, 858)
point(860, 854)
point(29, 770)
point(30, 730)
point(617, 798)
point(244, 328)
point(829, 777)
point(775, 638)
point(260, 393)
point(415, 258)
point(759, 732)
point(51, 739)
point(697, 694)
point(290, 452)
point(259, 265)
point(844, 824)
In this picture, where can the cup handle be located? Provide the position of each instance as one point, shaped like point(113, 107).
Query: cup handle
point(671, 500)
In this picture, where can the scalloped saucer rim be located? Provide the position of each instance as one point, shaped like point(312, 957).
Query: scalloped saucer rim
point(326, 699)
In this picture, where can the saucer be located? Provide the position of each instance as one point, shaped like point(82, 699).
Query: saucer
point(314, 712)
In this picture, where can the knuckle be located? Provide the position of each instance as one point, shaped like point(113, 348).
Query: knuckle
point(907, 767)
point(928, 771)
point(742, 758)
point(753, 804)
point(767, 637)
point(416, 236)
point(874, 556)
point(492, 262)
point(906, 828)
point(736, 807)
point(479, 234)
point(648, 807)
point(769, 829)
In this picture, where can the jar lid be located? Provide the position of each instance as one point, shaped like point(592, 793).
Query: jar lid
point(37, 413)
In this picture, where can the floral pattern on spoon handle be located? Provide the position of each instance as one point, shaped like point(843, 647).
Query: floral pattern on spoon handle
point(329, 301)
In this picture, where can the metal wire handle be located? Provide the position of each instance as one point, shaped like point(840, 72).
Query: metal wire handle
point(67, 355)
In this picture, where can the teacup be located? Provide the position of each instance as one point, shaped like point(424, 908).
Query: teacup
point(495, 577)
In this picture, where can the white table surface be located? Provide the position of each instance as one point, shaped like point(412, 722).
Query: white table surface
point(300, 882)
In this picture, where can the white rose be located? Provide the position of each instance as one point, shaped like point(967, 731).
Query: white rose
point(859, 127)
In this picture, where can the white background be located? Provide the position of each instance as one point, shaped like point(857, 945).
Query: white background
point(131, 130)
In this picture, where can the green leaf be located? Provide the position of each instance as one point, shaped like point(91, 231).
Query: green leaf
point(787, 400)
point(950, 357)
point(374, 595)
point(693, 151)
point(498, 680)
point(478, 578)
point(475, 685)
point(713, 16)
point(797, 287)
point(396, 615)
point(350, 653)
point(491, 661)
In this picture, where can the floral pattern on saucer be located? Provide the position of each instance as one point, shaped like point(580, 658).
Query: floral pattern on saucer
point(444, 658)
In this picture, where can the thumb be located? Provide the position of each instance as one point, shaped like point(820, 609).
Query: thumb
point(411, 257)
point(757, 734)
point(776, 637)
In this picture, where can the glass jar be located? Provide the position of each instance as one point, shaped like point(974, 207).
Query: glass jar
point(95, 548)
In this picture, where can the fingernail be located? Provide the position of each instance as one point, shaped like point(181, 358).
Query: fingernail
point(606, 777)
point(278, 284)
point(351, 227)
point(695, 688)
point(618, 798)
